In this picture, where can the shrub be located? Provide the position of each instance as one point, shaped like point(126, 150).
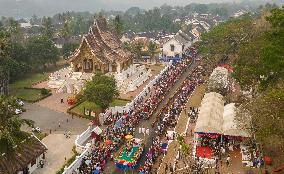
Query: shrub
point(44, 91)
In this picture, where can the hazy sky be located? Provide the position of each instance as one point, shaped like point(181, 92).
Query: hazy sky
point(48, 7)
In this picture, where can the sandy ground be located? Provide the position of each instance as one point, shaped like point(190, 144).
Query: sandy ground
point(53, 102)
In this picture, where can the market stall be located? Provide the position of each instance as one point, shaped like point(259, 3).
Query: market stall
point(208, 127)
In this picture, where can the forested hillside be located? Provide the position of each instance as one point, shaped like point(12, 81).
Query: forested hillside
point(254, 46)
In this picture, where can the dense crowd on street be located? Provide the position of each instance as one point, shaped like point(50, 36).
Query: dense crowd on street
point(170, 114)
point(152, 155)
point(121, 124)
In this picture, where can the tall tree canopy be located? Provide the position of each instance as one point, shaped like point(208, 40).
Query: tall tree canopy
point(101, 90)
point(42, 52)
point(68, 49)
point(118, 25)
point(47, 28)
point(153, 49)
point(10, 124)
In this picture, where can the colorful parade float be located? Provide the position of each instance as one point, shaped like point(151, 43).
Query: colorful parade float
point(130, 154)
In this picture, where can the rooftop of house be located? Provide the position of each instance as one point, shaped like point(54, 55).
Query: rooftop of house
point(24, 153)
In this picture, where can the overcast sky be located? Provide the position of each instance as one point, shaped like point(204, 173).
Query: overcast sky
point(49, 7)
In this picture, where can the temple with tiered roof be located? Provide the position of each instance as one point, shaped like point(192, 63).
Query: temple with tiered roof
point(100, 51)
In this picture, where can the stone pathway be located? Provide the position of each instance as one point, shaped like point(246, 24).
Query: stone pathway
point(59, 151)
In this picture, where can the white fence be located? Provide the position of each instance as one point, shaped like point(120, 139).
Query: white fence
point(81, 139)
point(73, 168)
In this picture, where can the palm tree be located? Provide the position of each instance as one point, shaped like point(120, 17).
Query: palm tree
point(10, 124)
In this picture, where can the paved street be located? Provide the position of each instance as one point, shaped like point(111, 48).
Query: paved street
point(147, 123)
point(59, 147)
point(48, 119)
point(57, 152)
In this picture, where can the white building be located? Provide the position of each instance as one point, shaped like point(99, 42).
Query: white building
point(175, 46)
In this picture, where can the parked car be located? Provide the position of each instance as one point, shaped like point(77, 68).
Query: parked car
point(18, 111)
point(20, 102)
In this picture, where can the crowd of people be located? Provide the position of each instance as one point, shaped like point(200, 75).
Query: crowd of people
point(121, 124)
point(152, 155)
point(169, 116)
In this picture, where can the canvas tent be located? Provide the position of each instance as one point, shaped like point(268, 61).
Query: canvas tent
point(214, 118)
point(210, 117)
point(230, 124)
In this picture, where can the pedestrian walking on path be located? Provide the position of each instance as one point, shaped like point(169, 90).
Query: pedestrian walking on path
point(228, 160)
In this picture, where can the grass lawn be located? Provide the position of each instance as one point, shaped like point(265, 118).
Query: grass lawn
point(118, 102)
point(88, 105)
point(27, 94)
point(92, 106)
point(18, 88)
point(29, 80)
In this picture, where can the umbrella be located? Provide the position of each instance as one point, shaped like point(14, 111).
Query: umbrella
point(128, 137)
point(108, 142)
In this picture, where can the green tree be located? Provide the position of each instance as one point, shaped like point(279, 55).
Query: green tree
point(10, 124)
point(153, 50)
point(18, 52)
point(118, 25)
point(42, 52)
point(222, 11)
point(68, 49)
point(65, 32)
point(101, 90)
point(137, 49)
point(14, 30)
point(201, 8)
point(47, 27)
point(4, 56)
